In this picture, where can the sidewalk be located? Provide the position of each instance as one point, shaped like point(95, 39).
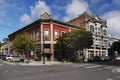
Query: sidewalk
point(116, 71)
point(36, 63)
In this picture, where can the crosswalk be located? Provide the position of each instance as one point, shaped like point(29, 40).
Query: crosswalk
point(93, 66)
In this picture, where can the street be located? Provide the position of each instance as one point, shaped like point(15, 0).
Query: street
point(77, 71)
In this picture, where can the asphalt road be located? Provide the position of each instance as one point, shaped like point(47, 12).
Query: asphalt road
point(79, 71)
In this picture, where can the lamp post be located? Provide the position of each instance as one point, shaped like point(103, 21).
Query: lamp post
point(28, 50)
point(43, 52)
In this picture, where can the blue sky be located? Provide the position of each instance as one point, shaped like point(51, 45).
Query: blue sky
point(15, 14)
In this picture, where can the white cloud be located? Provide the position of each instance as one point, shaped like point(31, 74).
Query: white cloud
point(25, 19)
point(1, 21)
point(39, 8)
point(117, 2)
point(75, 8)
point(103, 7)
point(95, 1)
point(113, 24)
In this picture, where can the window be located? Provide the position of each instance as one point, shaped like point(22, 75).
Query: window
point(32, 35)
point(37, 35)
point(46, 45)
point(62, 33)
point(91, 28)
point(105, 32)
point(56, 34)
point(95, 28)
point(46, 35)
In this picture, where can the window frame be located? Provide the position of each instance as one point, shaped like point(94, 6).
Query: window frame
point(92, 28)
point(46, 37)
point(56, 35)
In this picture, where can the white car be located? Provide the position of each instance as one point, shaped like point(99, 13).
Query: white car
point(13, 58)
point(118, 58)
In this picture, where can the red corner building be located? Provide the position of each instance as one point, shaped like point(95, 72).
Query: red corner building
point(44, 31)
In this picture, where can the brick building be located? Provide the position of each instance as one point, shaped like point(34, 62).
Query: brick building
point(44, 31)
point(98, 27)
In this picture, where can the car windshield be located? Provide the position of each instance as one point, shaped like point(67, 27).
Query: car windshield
point(8, 55)
point(13, 56)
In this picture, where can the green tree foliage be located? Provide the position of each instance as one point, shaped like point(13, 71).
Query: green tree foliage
point(23, 42)
point(73, 41)
point(116, 46)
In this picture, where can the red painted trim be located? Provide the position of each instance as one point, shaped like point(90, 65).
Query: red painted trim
point(60, 29)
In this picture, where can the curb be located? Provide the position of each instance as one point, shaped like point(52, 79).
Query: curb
point(10, 63)
point(116, 71)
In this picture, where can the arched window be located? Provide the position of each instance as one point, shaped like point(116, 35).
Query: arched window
point(91, 28)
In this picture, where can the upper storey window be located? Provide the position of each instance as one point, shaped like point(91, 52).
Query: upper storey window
point(105, 32)
point(91, 28)
point(37, 34)
point(56, 34)
point(46, 35)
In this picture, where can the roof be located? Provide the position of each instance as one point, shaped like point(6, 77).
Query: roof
point(39, 22)
point(90, 17)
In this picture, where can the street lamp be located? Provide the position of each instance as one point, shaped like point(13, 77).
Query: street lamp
point(28, 50)
point(43, 52)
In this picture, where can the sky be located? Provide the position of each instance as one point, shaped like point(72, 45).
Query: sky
point(15, 14)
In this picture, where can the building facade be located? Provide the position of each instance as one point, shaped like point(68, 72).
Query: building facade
point(44, 31)
point(5, 49)
point(99, 29)
point(112, 39)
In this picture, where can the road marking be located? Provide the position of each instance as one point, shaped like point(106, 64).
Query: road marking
point(1, 64)
point(100, 69)
point(94, 66)
point(118, 77)
point(80, 65)
point(109, 79)
point(110, 67)
point(5, 72)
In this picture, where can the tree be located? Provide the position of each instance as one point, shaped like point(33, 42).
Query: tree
point(5, 40)
point(23, 42)
point(73, 41)
point(116, 46)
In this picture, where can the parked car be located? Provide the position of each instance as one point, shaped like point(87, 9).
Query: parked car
point(13, 58)
point(95, 59)
point(118, 58)
point(105, 58)
point(3, 57)
point(21, 57)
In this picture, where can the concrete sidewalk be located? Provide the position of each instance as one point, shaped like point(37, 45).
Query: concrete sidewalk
point(116, 71)
point(36, 63)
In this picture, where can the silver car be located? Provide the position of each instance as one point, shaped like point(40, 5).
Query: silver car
point(13, 58)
